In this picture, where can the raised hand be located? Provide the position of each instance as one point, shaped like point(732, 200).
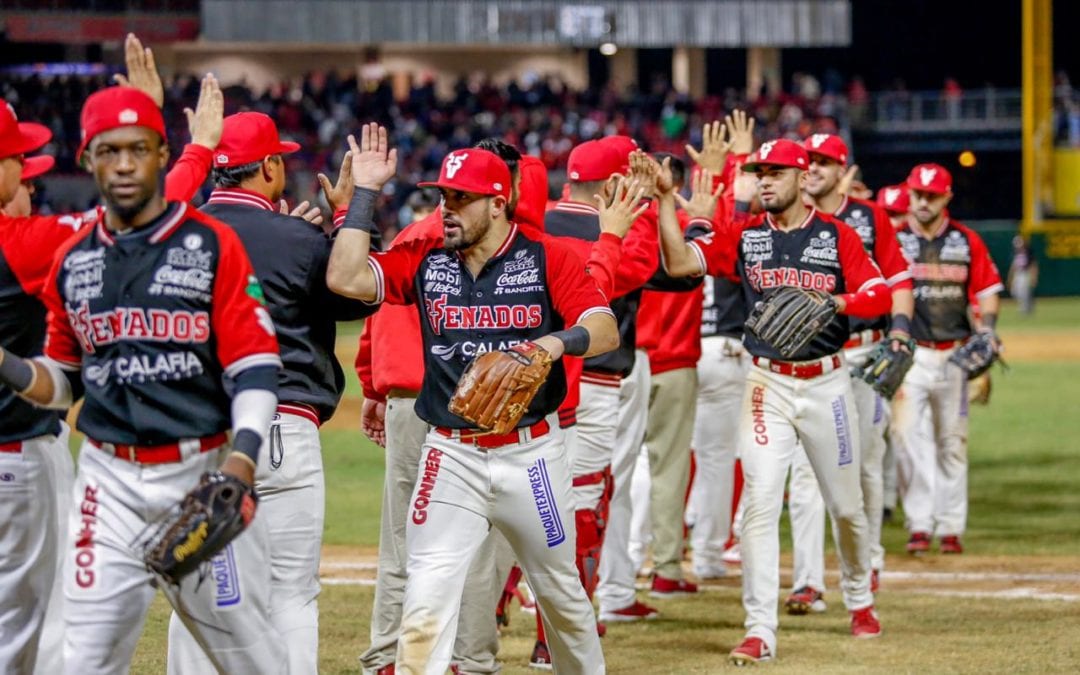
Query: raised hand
point(643, 170)
point(745, 188)
point(714, 150)
point(703, 197)
point(665, 180)
point(373, 163)
point(304, 210)
point(846, 181)
point(207, 120)
point(740, 128)
point(339, 193)
point(142, 71)
point(625, 207)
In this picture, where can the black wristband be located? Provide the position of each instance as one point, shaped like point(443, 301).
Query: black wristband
point(16, 373)
point(361, 214)
point(575, 340)
point(902, 323)
point(989, 321)
point(247, 443)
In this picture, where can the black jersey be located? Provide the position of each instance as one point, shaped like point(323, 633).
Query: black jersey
point(154, 319)
point(529, 288)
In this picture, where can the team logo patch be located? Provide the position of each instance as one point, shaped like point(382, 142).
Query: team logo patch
point(845, 454)
point(226, 580)
point(891, 195)
point(254, 289)
point(192, 242)
point(926, 176)
point(546, 505)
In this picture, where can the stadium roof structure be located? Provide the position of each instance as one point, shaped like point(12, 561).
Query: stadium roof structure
point(628, 23)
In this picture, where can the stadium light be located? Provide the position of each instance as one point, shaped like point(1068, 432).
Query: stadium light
point(609, 49)
point(967, 159)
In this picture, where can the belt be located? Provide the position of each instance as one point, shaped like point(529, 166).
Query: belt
point(13, 446)
point(397, 392)
point(804, 370)
point(594, 478)
point(941, 346)
point(302, 410)
point(602, 379)
point(159, 454)
point(567, 417)
point(866, 337)
point(484, 439)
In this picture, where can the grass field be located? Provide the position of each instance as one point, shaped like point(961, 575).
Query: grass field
point(1009, 604)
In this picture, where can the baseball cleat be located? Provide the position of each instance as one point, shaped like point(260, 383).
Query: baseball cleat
point(919, 543)
point(385, 670)
point(710, 572)
point(950, 544)
point(804, 601)
point(752, 650)
point(541, 657)
point(865, 624)
point(733, 555)
point(662, 587)
point(634, 612)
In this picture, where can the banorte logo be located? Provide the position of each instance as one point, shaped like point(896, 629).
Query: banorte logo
point(454, 163)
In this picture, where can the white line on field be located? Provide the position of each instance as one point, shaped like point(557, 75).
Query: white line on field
point(977, 576)
point(340, 565)
point(347, 582)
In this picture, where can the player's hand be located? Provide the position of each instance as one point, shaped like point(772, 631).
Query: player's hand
point(373, 421)
point(340, 193)
point(142, 71)
point(643, 171)
point(846, 181)
point(714, 150)
point(740, 127)
point(208, 119)
point(312, 214)
point(239, 466)
point(373, 163)
point(703, 197)
point(626, 206)
point(665, 180)
point(745, 188)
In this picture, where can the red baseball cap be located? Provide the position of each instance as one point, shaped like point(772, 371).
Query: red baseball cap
point(596, 160)
point(623, 146)
point(17, 138)
point(894, 198)
point(35, 166)
point(827, 145)
point(115, 107)
point(930, 178)
point(473, 170)
point(249, 137)
point(780, 152)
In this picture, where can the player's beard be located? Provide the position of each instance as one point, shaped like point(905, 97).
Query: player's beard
point(779, 203)
point(464, 238)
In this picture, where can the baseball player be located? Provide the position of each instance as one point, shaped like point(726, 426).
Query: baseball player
point(828, 160)
point(609, 414)
point(28, 245)
point(289, 255)
point(33, 448)
point(809, 398)
point(896, 202)
point(148, 309)
point(484, 284)
point(952, 269)
point(390, 365)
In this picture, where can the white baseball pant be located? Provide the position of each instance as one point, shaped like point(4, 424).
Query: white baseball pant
point(777, 411)
point(809, 555)
point(721, 381)
point(930, 432)
point(617, 571)
point(51, 645)
point(640, 521)
point(523, 490)
point(292, 504)
point(477, 640)
point(107, 590)
point(29, 547)
point(890, 483)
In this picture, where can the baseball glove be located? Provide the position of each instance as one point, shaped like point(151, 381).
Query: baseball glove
point(885, 367)
point(979, 390)
point(976, 355)
point(216, 510)
point(789, 317)
point(496, 389)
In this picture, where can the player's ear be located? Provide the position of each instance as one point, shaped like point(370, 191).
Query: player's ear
point(497, 205)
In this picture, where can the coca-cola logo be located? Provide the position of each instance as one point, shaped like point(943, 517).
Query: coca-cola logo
point(522, 278)
point(188, 278)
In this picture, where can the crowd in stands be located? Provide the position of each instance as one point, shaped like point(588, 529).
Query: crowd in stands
point(541, 115)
